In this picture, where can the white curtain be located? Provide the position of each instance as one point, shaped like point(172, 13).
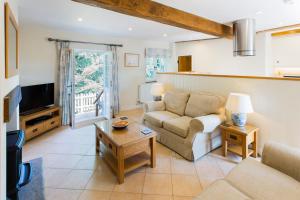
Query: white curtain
point(65, 74)
point(115, 103)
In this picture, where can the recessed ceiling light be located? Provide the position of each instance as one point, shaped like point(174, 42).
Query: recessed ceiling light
point(130, 29)
point(165, 35)
point(79, 19)
point(259, 12)
point(290, 2)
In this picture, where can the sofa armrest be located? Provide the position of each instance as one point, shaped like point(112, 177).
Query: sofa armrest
point(282, 158)
point(154, 106)
point(206, 124)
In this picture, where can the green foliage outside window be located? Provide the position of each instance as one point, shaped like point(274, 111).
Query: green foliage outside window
point(89, 71)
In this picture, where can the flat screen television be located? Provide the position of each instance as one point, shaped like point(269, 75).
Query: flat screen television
point(36, 97)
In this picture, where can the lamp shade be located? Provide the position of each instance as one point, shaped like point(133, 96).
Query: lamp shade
point(239, 103)
point(157, 89)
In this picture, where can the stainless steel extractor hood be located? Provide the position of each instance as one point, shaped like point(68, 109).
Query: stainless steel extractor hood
point(244, 37)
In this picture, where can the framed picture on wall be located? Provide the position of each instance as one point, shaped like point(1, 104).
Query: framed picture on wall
point(132, 60)
point(11, 43)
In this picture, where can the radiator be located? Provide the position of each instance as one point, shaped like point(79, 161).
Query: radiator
point(144, 92)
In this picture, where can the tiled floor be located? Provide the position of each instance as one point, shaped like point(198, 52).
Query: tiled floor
point(72, 170)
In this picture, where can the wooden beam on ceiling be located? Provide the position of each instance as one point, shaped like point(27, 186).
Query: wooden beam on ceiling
point(287, 32)
point(154, 11)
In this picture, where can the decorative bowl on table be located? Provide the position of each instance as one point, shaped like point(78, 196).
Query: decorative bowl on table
point(120, 124)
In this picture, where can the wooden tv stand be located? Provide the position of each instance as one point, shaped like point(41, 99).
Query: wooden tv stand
point(40, 122)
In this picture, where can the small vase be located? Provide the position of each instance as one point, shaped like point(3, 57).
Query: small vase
point(157, 98)
point(239, 119)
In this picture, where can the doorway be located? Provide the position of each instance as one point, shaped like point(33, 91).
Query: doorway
point(90, 87)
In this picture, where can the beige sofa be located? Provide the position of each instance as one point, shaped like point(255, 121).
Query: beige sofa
point(187, 122)
point(275, 178)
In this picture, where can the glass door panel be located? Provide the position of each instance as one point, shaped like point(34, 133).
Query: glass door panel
point(89, 83)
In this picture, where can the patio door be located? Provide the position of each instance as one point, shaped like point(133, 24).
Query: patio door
point(91, 86)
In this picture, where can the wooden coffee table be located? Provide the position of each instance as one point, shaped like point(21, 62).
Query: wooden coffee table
point(127, 149)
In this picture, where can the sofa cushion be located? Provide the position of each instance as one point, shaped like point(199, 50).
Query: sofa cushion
point(260, 181)
point(175, 101)
point(156, 118)
point(200, 104)
point(221, 190)
point(179, 126)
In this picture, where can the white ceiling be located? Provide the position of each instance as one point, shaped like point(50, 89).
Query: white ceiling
point(63, 14)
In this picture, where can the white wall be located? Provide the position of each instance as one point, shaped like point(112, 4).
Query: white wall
point(38, 58)
point(286, 51)
point(6, 85)
point(216, 57)
point(275, 102)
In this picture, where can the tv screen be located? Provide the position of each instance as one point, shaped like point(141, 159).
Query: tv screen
point(36, 97)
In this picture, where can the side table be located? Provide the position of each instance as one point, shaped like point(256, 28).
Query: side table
point(237, 140)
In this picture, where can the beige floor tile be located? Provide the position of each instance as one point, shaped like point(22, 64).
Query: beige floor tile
point(33, 155)
point(125, 196)
point(91, 151)
point(88, 162)
point(208, 171)
point(102, 181)
point(208, 167)
point(61, 161)
point(103, 167)
point(87, 139)
point(133, 183)
point(54, 177)
point(163, 151)
point(182, 166)
point(186, 185)
point(225, 165)
point(94, 195)
point(163, 166)
point(76, 179)
point(61, 194)
point(183, 198)
point(158, 184)
point(156, 197)
point(76, 149)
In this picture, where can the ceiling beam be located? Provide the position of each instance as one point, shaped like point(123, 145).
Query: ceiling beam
point(154, 11)
point(287, 32)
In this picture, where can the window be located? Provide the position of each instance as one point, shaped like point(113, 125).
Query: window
point(156, 61)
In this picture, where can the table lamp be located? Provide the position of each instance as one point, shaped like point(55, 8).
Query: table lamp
point(156, 91)
point(239, 105)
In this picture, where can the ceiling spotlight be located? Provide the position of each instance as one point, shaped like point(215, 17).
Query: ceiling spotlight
point(130, 29)
point(290, 2)
point(79, 19)
point(165, 35)
point(259, 12)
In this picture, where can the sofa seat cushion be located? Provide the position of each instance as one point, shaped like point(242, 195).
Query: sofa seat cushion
point(175, 101)
point(260, 181)
point(201, 104)
point(157, 118)
point(221, 190)
point(179, 126)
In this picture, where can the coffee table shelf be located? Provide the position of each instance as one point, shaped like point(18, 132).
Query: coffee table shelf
point(130, 163)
